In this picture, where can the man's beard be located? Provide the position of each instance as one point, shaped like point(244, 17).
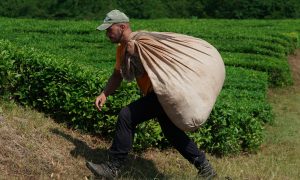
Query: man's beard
point(117, 40)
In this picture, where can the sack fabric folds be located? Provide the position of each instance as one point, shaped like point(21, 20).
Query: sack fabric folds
point(186, 73)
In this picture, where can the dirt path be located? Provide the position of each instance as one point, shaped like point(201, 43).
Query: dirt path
point(294, 61)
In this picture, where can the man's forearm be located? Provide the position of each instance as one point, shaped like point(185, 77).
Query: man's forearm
point(113, 83)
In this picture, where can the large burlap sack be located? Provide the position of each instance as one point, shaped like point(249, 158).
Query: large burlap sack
point(187, 74)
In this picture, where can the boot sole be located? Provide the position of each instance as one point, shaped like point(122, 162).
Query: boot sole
point(90, 166)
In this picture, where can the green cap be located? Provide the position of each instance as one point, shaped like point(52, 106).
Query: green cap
point(114, 16)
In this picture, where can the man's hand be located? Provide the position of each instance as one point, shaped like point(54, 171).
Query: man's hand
point(100, 100)
point(112, 84)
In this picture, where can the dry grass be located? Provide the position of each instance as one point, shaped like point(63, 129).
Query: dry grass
point(33, 146)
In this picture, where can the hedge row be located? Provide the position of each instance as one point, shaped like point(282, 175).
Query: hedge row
point(258, 45)
point(277, 69)
point(67, 91)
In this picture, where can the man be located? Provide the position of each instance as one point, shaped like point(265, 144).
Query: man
point(130, 56)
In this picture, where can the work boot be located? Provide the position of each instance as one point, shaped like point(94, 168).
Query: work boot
point(109, 169)
point(206, 171)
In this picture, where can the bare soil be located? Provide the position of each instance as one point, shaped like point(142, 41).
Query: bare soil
point(294, 61)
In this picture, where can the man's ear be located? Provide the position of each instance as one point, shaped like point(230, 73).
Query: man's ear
point(122, 26)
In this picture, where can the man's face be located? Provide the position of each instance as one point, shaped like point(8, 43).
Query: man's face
point(114, 33)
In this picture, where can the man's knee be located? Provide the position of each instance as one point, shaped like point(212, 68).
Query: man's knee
point(124, 117)
point(124, 113)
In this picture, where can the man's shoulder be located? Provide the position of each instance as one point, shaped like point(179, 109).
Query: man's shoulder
point(153, 35)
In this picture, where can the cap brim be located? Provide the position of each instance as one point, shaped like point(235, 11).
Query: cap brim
point(103, 26)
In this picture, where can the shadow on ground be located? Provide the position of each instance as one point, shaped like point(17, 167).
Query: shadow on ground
point(136, 167)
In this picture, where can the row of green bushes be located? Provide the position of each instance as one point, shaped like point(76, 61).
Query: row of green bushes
point(242, 43)
point(278, 70)
point(67, 91)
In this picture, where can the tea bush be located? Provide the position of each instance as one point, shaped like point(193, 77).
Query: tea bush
point(67, 91)
point(259, 45)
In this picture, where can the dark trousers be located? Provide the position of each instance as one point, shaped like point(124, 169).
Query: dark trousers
point(146, 108)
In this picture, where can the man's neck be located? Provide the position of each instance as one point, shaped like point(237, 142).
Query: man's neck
point(126, 36)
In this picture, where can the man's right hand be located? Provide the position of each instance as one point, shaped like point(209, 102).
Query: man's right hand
point(100, 100)
point(112, 84)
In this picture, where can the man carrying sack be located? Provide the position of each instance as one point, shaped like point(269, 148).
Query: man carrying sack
point(180, 77)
